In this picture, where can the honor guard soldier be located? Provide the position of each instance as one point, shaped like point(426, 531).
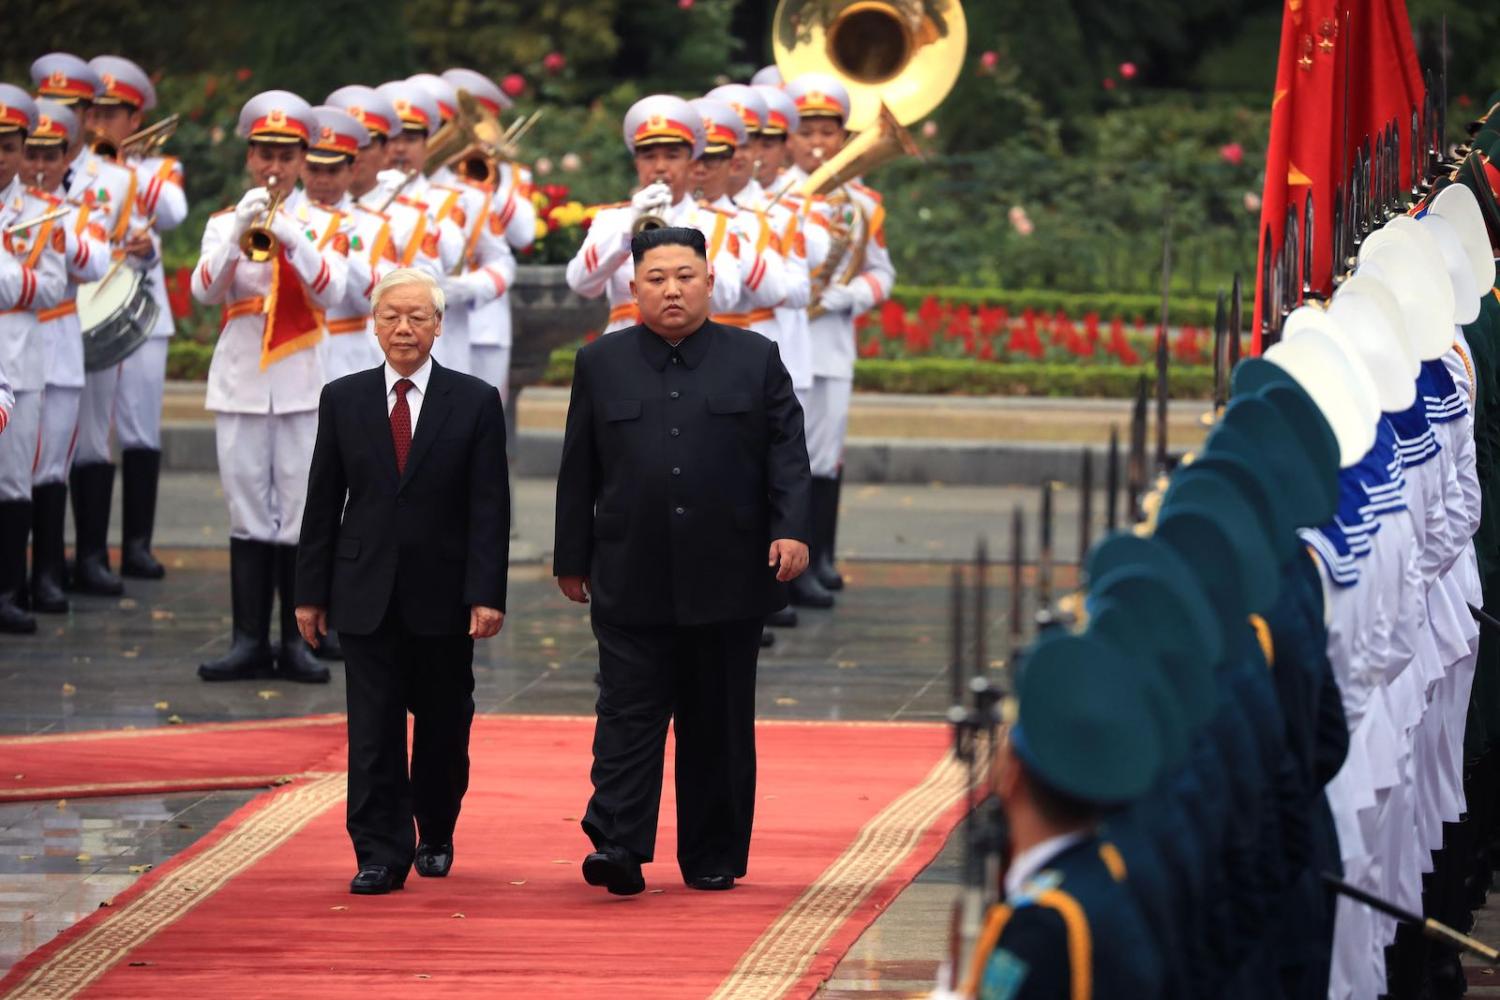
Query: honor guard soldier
point(487, 266)
point(86, 253)
point(273, 272)
point(1068, 926)
point(857, 276)
point(32, 278)
point(510, 215)
point(434, 244)
point(408, 222)
point(110, 191)
point(135, 405)
point(350, 345)
point(781, 121)
point(664, 136)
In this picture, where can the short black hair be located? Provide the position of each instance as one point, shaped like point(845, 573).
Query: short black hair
point(667, 236)
point(1058, 807)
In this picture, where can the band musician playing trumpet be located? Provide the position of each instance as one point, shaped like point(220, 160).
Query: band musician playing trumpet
point(273, 270)
point(664, 136)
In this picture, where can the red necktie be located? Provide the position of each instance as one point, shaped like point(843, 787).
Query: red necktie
point(401, 424)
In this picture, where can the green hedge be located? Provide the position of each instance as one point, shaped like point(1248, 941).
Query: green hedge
point(954, 376)
point(1183, 310)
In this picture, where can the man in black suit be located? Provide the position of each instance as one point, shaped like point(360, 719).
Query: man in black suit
point(682, 511)
point(405, 541)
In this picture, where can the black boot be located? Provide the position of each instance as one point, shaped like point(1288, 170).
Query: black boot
point(329, 647)
point(15, 526)
point(252, 581)
point(92, 486)
point(785, 618)
point(294, 660)
point(806, 592)
point(49, 513)
point(825, 493)
point(140, 469)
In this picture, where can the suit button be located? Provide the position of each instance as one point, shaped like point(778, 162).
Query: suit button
point(680, 510)
point(676, 471)
point(674, 432)
point(675, 394)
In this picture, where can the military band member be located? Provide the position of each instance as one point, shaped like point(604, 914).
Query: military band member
point(350, 345)
point(771, 151)
point(511, 215)
point(135, 406)
point(487, 266)
point(664, 136)
point(110, 191)
point(767, 76)
point(87, 257)
point(32, 277)
point(266, 376)
point(857, 276)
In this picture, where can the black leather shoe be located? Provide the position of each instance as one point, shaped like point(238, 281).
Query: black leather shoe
point(616, 870)
point(295, 662)
point(376, 880)
point(785, 618)
point(806, 592)
point(710, 883)
point(434, 860)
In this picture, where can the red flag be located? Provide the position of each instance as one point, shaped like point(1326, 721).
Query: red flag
point(292, 324)
point(1311, 144)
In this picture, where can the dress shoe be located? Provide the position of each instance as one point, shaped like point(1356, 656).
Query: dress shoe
point(295, 662)
point(616, 870)
point(785, 618)
point(806, 592)
point(434, 860)
point(376, 880)
point(710, 883)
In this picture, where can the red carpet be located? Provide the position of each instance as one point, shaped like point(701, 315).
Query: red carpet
point(848, 814)
point(170, 759)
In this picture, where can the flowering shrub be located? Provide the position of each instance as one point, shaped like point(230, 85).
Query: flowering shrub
point(561, 223)
point(939, 329)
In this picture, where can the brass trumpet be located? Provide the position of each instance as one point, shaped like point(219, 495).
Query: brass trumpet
point(32, 223)
point(653, 220)
point(258, 243)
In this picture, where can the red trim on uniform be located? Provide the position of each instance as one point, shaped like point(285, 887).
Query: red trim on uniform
point(208, 279)
point(757, 272)
point(493, 107)
point(13, 117)
point(509, 210)
point(591, 257)
point(775, 119)
point(657, 127)
point(446, 110)
point(721, 135)
point(375, 123)
point(59, 84)
point(82, 256)
point(284, 125)
point(4, 417)
point(338, 143)
point(123, 91)
point(323, 278)
point(874, 284)
point(497, 278)
point(28, 287)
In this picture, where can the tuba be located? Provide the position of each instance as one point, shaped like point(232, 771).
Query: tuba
point(898, 59)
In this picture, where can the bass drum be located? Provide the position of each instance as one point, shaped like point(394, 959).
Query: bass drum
point(117, 315)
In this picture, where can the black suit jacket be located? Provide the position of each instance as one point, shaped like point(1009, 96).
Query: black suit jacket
point(434, 540)
point(678, 469)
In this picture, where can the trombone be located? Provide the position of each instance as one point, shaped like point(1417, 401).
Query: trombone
point(141, 143)
point(258, 243)
point(32, 223)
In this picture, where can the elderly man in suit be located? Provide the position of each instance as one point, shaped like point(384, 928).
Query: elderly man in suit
point(404, 546)
point(682, 512)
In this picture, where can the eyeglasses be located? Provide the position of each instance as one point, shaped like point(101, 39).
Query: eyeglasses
point(392, 320)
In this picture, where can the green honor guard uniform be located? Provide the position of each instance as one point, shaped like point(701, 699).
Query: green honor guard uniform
point(1085, 741)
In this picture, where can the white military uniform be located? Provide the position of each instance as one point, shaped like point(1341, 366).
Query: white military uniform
point(512, 216)
point(602, 265)
point(111, 190)
point(486, 270)
point(37, 282)
point(266, 403)
point(351, 345)
point(764, 268)
point(87, 258)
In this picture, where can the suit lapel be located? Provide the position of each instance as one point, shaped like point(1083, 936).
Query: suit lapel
point(378, 417)
point(435, 407)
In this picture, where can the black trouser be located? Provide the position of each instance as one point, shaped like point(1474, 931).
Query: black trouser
point(702, 678)
point(389, 672)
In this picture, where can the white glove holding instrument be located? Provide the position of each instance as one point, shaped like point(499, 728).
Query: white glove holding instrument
point(837, 298)
point(653, 199)
point(251, 209)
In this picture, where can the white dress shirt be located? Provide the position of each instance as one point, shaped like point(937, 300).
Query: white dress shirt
point(1032, 860)
point(414, 395)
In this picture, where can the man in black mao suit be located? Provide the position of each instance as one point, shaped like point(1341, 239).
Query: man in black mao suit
point(405, 541)
point(682, 510)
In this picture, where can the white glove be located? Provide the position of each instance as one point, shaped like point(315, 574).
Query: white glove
point(288, 231)
point(455, 290)
point(653, 199)
point(251, 209)
point(837, 298)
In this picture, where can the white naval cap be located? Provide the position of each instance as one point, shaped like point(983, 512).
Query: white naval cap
point(663, 118)
point(769, 76)
point(17, 109)
point(781, 110)
point(484, 90)
point(337, 135)
point(64, 77)
point(414, 106)
point(276, 116)
point(123, 82)
point(56, 124)
point(440, 90)
point(723, 128)
point(1457, 204)
point(745, 100)
point(818, 95)
point(1370, 323)
point(1317, 364)
point(1411, 268)
point(369, 107)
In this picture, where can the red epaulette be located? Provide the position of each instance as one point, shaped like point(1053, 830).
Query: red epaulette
point(52, 200)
